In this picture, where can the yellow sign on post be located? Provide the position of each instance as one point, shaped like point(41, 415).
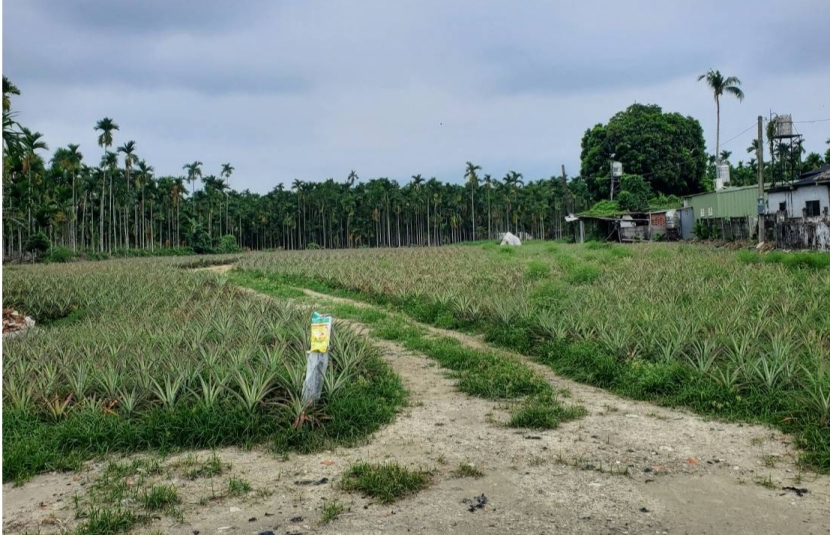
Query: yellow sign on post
point(318, 358)
point(320, 333)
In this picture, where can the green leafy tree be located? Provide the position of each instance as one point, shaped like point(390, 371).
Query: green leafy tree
point(667, 149)
point(37, 244)
point(634, 193)
point(720, 85)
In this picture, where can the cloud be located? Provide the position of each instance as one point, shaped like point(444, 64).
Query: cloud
point(313, 89)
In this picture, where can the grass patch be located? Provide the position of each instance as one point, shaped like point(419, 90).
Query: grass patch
point(766, 482)
point(193, 468)
point(107, 521)
point(793, 260)
point(583, 274)
point(160, 497)
point(125, 495)
point(536, 270)
point(467, 470)
point(544, 412)
point(331, 511)
point(256, 280)
point(238, 487)
point(387, 482)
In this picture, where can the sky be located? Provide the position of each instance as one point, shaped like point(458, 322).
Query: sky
point(312, 89)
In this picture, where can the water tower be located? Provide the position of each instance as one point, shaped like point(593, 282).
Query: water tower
point(722, 176)
point(786, 150)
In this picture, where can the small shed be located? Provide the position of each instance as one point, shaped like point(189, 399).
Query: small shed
point(724, 203)
point(635, 226)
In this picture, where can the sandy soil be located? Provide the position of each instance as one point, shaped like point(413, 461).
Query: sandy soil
point(685, 474)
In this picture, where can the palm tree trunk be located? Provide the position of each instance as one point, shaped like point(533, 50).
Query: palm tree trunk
point(429, 236)
point(489, 219)
point(717, 130)
point(473, 207)
point(83, 222)
point(112, 220)
point(74, 224)
point(101, 211)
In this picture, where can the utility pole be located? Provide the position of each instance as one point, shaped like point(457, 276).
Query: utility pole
point(760, 156)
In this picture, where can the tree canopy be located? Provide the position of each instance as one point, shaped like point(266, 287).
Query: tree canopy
point(666, 149)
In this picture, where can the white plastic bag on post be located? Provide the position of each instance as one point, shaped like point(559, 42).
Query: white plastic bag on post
point(317, 361)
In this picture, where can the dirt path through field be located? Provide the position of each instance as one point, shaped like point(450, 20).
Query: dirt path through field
point(686, 475)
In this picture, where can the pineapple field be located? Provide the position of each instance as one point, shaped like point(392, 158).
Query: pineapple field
point(504, 384)
point(731, 334)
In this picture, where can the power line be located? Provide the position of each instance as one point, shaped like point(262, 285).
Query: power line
point(739, 135)
point(815, 121)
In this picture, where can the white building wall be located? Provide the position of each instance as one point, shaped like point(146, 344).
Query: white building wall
point(797, 200)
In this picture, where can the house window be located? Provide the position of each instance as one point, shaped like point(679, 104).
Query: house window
point(782, 207)
point(710, 211)
point(702, 212)
point(813, 208)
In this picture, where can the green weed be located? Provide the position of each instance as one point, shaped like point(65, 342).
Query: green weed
point(238, 487)
point(160, 497)
point(544, 412)
point(386, 482)
point(467, 470)
point(106, 521)
point(331, 511)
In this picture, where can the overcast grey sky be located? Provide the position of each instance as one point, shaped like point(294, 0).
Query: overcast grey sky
point(311, 89)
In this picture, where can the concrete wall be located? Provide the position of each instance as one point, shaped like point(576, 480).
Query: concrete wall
point(797, 200)
point(797, 234)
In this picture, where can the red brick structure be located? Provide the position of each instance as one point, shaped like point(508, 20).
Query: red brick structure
point(658, 220)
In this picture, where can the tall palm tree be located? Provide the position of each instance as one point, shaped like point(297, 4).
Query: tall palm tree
point(9, 89)
point(109, 162)
point(31, 142)
point(143, 178)
point(106, 126)
point(69, 160)
point(128, 150)
point(417, 186)
point(488, 185)
point(299, 188)
point(227, 171)
point(194, 172)
point(720, 85)
point(471, 177)
point(352, 178)
point(512, 180)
